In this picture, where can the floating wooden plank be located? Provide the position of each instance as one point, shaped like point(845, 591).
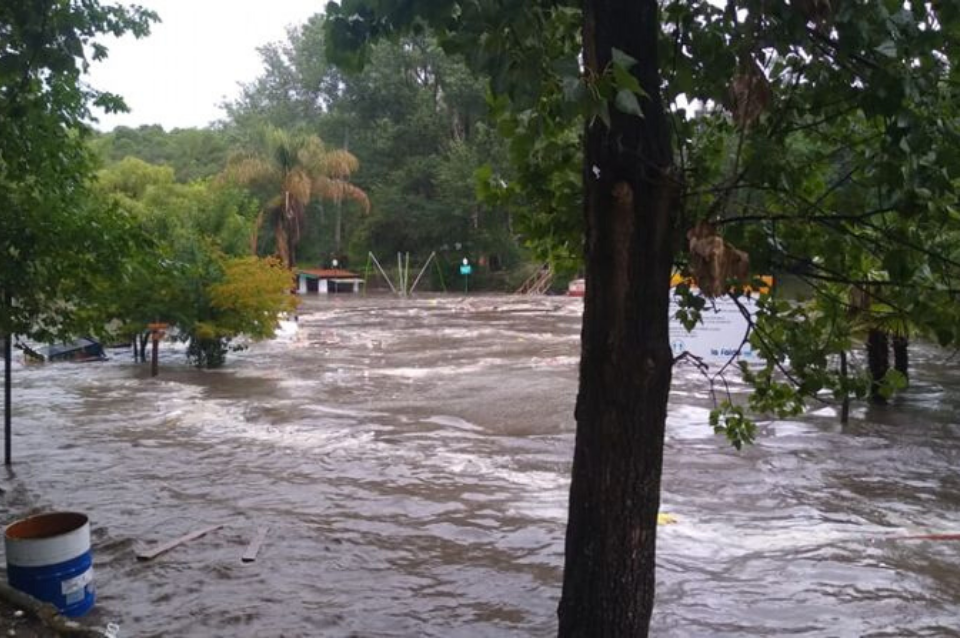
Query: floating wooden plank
point(156, 550)
point(250, 554)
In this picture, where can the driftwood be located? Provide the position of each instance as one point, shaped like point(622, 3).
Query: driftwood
point(47, 614)
point(250, 554)
point(713, 261)
point(156, 550)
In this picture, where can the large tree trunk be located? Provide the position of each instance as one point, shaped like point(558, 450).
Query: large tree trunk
point(878, 360)
point(143, 338)
point(901, 355)
point(336, 229)
point(282, 239)
point(631, 199)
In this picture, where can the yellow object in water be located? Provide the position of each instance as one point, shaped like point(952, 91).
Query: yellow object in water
point(666, 519)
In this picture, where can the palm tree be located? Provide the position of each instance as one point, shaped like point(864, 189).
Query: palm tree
point(291, 170)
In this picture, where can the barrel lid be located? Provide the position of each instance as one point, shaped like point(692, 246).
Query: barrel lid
point(45, 525)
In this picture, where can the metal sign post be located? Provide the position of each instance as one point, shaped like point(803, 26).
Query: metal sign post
point(7, 392)
point(465, 270)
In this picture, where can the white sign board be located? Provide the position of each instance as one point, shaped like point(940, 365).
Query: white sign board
point(718, 337)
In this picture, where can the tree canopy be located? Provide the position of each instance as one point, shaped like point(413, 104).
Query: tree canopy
point(416, 120)
point(191, 153)
point(198, 276)
point(55, 244)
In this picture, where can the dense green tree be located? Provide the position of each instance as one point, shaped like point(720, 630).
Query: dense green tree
point(197, 276)
point(875, 77)
point(55, 247)
point(244, 297)
point(297, 86)
point(54, 243)
point(191, 153)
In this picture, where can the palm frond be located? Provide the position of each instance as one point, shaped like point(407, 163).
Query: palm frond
point(339, 164)
point(337, 190)
point(299, 185)
point(250, 171)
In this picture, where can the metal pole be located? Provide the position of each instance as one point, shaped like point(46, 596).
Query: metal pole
point(382, 272)
point(406, 276)
point(443, 286)
point(7, 406)
point(403, 287)
point(422, 270)
point(366, 274)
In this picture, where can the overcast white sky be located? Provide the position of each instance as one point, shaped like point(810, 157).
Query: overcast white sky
point(194, 59)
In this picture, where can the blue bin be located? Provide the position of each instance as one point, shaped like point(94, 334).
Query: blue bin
point(48, 557)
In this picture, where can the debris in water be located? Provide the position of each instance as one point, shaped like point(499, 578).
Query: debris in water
point(666, 519)
point(253, 548)
point(156, 550)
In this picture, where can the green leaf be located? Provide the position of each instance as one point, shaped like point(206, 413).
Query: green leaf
point(622, 59)
point(573, 89)
point(623, 79)
point(888, 49)
point(603, 112)
point(626, 102)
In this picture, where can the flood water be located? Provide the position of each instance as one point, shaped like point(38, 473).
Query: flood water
point(411, 458)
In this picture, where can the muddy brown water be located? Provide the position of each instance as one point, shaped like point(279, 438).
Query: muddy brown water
point(411, 458)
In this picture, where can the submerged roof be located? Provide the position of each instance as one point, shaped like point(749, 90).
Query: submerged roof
point(328, 273)
point(63, 348)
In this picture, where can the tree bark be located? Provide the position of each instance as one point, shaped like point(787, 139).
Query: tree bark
point(336, 229)
point(632, 198)
point(144, 337)
point(878, 360)
point(845, 406)
point(901, 355)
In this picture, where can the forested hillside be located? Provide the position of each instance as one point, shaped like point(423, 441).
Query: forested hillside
point(415, 120)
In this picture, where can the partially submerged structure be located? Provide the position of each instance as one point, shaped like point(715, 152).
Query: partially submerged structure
point(327, 280)
point(82, 349)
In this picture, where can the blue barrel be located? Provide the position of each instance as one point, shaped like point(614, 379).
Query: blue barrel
point(48, 557)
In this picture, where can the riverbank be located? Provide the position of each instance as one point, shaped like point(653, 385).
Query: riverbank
point(15, 622)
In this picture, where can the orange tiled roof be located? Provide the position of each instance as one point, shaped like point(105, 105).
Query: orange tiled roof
point(328, 273)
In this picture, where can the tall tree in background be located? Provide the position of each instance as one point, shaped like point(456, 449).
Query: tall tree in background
point(416, 119)
point(291, 170)
point(191, 153)
point(296, 88)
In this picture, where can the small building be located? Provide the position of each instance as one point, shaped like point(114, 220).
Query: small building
point(327, 280)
